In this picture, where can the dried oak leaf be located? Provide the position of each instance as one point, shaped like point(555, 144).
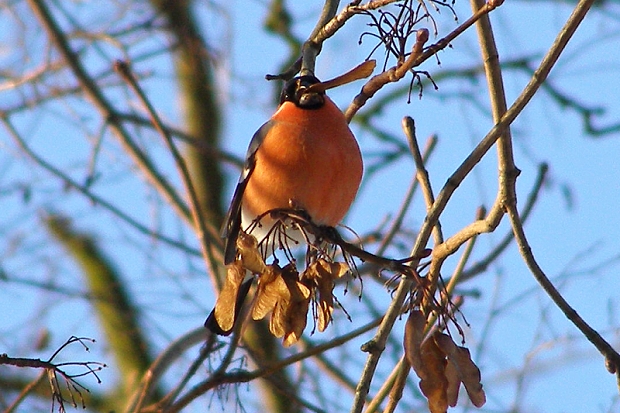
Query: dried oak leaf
point(227, 306)
point(322, 274)
point(462, 364)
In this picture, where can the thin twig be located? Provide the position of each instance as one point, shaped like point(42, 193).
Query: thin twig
point(612, 358)
point(203, 354)
point(25, 392)
point(401, 369)
point(458, 269)
point(336, 372)
point(384, 390)
point(244, 376)
point(432, 278)
point(200, 145)
point(376, 346)
point(418, 55)
point(164, 361)
point(515, 109)
point(422, 176)
point(311, 48)
point(52, 370)
point(105, 108)
point(431, 142)
point(353, 8)
point(447, 291)
point(67, 180)
point(508, 173)
point(391, 75)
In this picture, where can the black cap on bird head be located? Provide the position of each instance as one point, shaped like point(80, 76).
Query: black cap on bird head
point(296, 91)
point(308, 92)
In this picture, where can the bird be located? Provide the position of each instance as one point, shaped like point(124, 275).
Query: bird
point(304, 157)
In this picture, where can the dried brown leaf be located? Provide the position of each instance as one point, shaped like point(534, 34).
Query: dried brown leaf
point(247, 245)
point(325, 309)
point(226, 305)
point(277, 322)
point(296, 319)
point(433, 382)
point(454, 383)
point(271, 287)
point(468, 372)
point(335, 269)
point(296, 313)
point(414, 334)
point(323, 274)
point(281, 293)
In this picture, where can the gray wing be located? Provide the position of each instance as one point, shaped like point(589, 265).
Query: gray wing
point(232, 221)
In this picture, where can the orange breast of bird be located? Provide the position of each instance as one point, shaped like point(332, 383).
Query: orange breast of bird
point(309, 158)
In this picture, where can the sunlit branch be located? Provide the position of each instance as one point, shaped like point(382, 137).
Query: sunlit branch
point(397, 222)
point(311, 48)
point(421, 172)
point(528, 206)
point(378, 342)
point(418, 55)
